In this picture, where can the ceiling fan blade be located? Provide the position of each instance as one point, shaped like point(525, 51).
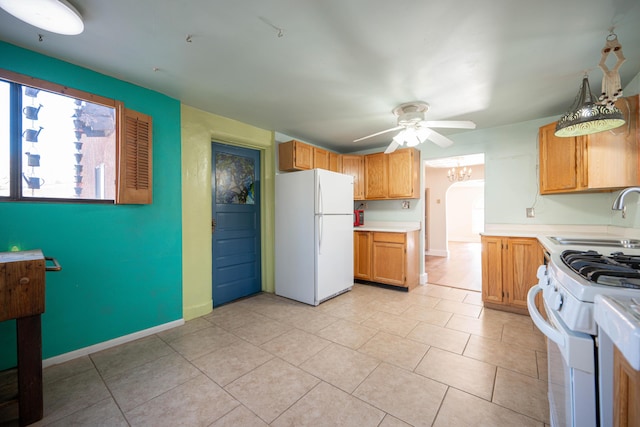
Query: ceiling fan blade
point(378, 133)
point(460, 124)
point(439, 139)
point(392, 147)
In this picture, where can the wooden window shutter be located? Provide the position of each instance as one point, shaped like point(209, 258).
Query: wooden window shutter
point(135, 161)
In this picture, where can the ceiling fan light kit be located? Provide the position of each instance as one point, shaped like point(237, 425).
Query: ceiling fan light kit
point(56, 16)
point(415, 130)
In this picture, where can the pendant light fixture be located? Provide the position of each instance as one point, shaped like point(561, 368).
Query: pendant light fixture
point(57, 16)
point(586, 117)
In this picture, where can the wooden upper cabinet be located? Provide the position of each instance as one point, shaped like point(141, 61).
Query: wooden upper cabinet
point(604, 161)
point(335, 162)
point(404, 167)
point(376, 176)
point(295, 156)
point(320, 158)
point(392, 176)
point(354, 165)
point(558, 161)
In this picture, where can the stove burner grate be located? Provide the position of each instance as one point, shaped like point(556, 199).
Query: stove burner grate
point(618, 269)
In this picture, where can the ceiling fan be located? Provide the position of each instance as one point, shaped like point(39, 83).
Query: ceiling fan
point(415, 129)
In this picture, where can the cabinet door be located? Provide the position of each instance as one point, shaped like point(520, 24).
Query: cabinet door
point(335, 162)
point(376, 181)
point(354, 166)
point(626, 392)
point(613, 155)
point(389, 263)
point(295, 156)
point(524, 256)
point(303, 156)
point(558, 161)
point(492, 269)
point(320, 158)
point(362, 255)
point(404, 179)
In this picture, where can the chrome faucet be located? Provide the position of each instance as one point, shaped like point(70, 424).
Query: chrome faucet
point(618, 203)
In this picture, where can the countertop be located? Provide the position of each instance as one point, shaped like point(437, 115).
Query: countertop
point(544, 234)
point(389, 226)
point(620, 319)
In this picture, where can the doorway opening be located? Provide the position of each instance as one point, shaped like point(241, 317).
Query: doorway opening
point(454, 219)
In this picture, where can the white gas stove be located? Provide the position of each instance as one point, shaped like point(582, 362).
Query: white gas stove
point(575, 277)
point(570, 284)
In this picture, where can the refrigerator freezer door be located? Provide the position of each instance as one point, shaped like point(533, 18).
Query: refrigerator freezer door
point(334, 193)
point(334, 255)
point(295, 239)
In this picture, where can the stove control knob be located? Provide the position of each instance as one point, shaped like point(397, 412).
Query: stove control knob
point(557, 302)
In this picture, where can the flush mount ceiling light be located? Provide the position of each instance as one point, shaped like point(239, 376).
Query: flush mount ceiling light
point(586, 117)
point(57, 16)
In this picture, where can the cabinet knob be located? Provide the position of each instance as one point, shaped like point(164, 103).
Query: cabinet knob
point(24, 281)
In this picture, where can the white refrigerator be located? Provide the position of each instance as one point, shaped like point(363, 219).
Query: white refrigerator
point(314, 235)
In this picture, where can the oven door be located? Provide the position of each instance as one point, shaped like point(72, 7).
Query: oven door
point(571, 359)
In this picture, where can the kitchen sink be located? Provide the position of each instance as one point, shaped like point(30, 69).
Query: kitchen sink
point(577, 241)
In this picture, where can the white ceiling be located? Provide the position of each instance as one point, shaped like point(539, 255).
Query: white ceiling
point(330, 71)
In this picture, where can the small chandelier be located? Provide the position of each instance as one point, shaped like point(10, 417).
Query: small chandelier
point(455, 175)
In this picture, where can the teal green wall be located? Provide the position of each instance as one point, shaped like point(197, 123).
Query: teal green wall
point(121, 265)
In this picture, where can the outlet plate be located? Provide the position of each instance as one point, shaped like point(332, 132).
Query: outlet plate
point(531, 213)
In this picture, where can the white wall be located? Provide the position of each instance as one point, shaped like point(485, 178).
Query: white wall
point(465, 206)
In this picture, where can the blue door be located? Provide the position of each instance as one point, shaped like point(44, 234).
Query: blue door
point(235, 224)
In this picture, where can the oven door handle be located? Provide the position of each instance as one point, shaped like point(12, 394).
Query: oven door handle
point(545, 327)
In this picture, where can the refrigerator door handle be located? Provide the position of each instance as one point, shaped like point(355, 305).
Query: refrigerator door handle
point(320, 204)
point(320, 221)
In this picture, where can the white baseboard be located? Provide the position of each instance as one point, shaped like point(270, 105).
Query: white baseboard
point(424, 278)
point(111, 343)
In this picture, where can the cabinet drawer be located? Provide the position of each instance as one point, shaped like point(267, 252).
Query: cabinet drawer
point(389, 237)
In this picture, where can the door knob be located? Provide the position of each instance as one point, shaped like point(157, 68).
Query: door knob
point(213, 225)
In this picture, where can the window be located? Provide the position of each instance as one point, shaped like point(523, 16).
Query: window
point(63, 144)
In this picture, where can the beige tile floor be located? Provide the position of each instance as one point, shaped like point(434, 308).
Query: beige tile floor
point(370, 357)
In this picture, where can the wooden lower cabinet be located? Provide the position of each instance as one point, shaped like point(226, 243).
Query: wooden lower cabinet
point(387, 258)
point(626, 392)
point(509, 267)
point(362, 255)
